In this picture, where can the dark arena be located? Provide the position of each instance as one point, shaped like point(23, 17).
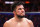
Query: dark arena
point(31, 11)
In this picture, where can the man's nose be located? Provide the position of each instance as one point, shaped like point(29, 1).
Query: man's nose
point(23, 10)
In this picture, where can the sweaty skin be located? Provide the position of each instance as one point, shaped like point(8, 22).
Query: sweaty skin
point(13, 23)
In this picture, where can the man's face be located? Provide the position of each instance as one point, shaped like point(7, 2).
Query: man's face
point(20, 11)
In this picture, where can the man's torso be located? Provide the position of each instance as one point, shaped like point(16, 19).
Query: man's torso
point(24, 23)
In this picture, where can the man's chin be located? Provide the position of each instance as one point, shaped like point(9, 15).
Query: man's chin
point(20, 16)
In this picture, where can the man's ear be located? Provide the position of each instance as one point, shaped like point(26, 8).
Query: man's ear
point(13, 12)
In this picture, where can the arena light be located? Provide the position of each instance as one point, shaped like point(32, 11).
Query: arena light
point(9, 2)
point(27, 2)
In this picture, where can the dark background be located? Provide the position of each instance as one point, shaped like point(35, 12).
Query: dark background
point(30, 6)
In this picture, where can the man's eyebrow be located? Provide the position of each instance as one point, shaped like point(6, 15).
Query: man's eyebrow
point(20, 8)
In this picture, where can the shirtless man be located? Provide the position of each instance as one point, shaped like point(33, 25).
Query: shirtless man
point(19, 19)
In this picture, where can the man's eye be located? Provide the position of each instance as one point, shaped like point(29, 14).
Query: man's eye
point(19, 9)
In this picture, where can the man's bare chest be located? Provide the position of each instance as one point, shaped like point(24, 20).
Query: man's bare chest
point(23, 24)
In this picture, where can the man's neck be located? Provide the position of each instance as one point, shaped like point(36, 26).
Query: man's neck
point(18, 20)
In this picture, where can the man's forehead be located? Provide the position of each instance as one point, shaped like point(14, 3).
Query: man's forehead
point(20, 6)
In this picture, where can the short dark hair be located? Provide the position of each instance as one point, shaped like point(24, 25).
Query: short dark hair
point(16, 4)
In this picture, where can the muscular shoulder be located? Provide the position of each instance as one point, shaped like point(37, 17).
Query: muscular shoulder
point(7, 23)
point(27, 20)
point(30, 22)
point(10, 20)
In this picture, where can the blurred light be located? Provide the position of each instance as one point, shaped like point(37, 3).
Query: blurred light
point(9, 2)
point(27, 2)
